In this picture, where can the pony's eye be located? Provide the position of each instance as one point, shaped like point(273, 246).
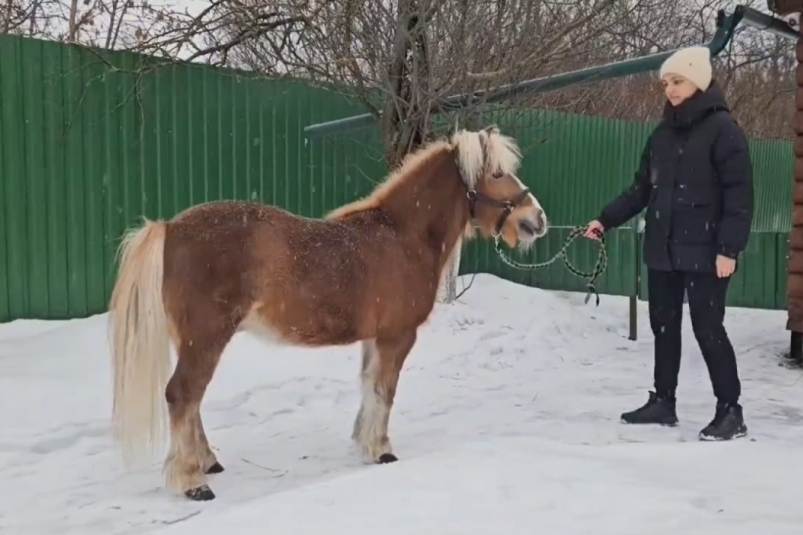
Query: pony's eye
point(498, 174)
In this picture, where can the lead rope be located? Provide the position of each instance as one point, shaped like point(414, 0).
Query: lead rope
point(599, 267)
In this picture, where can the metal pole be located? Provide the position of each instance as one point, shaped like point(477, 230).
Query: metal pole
point(637, 282)
point(768, 23)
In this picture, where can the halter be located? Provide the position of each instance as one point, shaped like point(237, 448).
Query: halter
point(506, 206)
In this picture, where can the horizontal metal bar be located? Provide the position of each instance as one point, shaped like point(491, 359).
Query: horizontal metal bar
point(726, 26)
point(768, 23)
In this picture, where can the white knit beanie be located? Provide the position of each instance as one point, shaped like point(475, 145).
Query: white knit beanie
point(693, 63)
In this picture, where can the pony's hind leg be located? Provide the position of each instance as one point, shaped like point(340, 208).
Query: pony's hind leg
point(185, 463)
point(209, 462)
point(382, 362)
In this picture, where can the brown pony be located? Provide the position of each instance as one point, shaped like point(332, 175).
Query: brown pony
point(368, 272)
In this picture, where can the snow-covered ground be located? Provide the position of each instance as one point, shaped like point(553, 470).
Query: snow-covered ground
point(506, 421)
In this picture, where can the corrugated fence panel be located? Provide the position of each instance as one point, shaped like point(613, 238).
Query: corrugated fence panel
point(92, 140)
point(772, 170)
point(15, 194)
point(761, 279)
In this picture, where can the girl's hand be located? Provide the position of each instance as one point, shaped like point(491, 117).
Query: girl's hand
point(594, 230)
point(725, 266)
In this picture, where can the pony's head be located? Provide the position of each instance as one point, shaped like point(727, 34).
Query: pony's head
point(500, 203)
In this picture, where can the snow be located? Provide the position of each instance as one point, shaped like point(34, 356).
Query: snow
point(506, 420)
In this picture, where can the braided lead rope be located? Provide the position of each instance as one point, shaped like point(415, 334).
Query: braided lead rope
point(599, 267)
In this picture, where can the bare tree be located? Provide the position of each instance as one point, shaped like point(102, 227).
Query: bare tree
point(756, 70)
point(401, 58)
point(110, 24)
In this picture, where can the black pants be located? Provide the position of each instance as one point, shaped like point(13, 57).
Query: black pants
point(706, 295)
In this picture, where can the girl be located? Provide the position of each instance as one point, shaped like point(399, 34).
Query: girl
point(695, 179)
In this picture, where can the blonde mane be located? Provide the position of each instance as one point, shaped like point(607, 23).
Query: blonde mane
point(412, 162)
point(484, 153)
point(478, 154)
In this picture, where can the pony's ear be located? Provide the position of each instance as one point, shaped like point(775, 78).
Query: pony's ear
point(493, 129)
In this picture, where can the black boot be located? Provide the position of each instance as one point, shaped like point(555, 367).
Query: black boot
point(659, 409)
point(728, 423)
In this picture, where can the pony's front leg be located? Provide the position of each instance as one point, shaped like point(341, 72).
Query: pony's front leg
point(382, 362)
point(368, 349)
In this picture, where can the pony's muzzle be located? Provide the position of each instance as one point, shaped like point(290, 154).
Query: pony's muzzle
point(533, 226)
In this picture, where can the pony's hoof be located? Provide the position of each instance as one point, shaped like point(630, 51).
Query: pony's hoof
point(214, 469)
point(386, 458)
point(200, 494)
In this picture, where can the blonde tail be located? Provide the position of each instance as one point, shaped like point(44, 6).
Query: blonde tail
point(140, 343)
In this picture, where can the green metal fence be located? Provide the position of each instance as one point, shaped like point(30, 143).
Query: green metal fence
point(90, 140)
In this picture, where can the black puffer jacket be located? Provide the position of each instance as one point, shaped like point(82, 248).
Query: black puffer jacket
point(695, 179)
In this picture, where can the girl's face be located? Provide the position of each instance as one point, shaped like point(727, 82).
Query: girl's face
point(677, 88)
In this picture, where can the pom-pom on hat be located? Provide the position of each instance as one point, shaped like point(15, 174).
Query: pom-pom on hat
point(693, 63)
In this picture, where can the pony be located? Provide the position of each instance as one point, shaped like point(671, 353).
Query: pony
point(366, 272)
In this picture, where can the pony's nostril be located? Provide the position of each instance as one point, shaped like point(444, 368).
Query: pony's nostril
point(528, 226)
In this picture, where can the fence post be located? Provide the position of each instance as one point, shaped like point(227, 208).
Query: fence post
point(638, 228)
point(634, 295)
